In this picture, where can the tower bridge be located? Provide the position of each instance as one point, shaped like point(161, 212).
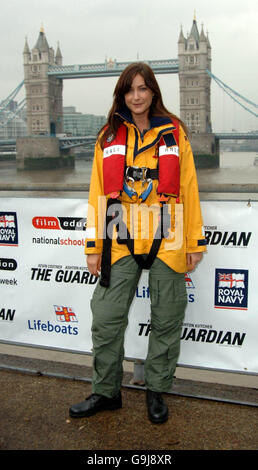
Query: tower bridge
point(44, 73)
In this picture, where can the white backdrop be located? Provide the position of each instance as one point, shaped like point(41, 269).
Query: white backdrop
point(45, 288)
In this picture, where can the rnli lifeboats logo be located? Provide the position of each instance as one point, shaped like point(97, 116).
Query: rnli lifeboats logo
point(65, 314)
point(231, 289)
point(8, 229)
point(188, 281)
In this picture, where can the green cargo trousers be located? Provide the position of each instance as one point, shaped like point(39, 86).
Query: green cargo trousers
point(110, 307)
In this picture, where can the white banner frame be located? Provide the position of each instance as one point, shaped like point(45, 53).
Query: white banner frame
point(44, 284)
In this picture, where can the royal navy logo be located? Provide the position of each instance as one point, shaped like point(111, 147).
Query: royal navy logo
point(231, 289)
point(8, 229)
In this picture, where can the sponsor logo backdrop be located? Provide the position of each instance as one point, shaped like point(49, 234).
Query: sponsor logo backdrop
point(45, 287)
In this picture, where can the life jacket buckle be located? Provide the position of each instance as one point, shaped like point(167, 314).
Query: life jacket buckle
point(136, 173)
point(129, 190)
point(143, 196)
point(144, 174)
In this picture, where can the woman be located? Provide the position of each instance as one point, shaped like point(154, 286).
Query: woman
point(143, 168)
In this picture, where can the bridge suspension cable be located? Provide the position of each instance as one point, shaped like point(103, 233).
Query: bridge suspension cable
point(12, 115)
point(230, 92)
point(10, 97)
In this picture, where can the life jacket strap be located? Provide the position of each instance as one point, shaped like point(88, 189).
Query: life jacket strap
point(143, 263)
point(107, 244)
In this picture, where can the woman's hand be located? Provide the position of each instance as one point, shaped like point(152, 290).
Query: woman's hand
point(94, 263)
point(192, 259)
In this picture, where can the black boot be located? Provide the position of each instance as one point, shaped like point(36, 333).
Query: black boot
point(95, 403)
point(157, 408)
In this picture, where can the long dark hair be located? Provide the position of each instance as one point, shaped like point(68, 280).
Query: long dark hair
point(122, 87)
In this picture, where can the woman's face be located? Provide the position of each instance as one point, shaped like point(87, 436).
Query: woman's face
point(139, 98)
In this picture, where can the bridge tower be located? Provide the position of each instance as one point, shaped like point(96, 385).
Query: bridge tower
point(40, 149)
point(194, 57)
point(43, 93)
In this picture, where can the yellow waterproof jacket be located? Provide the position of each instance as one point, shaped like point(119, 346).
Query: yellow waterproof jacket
point(186, 230)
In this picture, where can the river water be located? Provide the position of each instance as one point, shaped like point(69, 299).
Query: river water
point(235, 168)
point(237, 159)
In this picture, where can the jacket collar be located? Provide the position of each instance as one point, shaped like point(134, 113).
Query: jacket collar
point(155, 121)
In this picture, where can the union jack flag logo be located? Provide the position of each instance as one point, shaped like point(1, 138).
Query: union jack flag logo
point(232, 280)
point(7, 221)
point(65, 314)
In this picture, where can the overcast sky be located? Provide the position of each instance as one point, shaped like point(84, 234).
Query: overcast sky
point(91, 30)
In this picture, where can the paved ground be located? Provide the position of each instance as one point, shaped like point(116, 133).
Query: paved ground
point(36, 395)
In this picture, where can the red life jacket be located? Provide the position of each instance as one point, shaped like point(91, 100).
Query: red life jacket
point(114, 160)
